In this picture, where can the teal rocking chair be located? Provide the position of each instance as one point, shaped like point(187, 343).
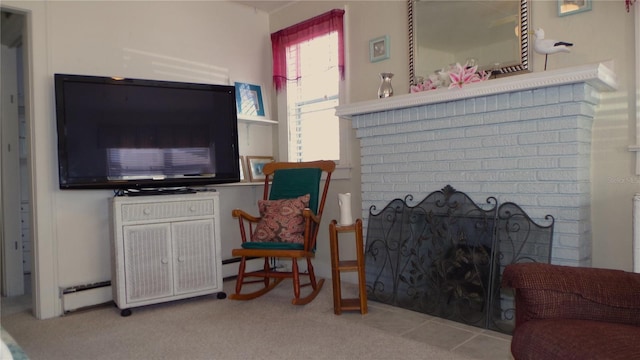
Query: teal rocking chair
point(290, 216)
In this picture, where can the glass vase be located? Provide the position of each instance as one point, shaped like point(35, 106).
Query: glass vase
point(385, 90)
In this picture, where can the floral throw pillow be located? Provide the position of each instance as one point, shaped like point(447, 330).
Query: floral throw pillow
point(282, 220)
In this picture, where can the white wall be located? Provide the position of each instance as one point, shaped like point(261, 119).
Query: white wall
point(198, 40)
point(73, 37)
point(604, 33)
point(364, 20)
point(177, 41)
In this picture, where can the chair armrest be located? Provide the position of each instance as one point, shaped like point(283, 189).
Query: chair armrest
point(308, 213)
point(243, 219)
point(546, 291)
point(237, 213)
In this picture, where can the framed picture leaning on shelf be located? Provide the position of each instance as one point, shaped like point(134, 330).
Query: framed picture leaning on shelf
point(249, 99)
point(243, 170)
point(255, 165)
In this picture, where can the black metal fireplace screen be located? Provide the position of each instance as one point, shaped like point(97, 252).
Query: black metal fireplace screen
point(445, 256)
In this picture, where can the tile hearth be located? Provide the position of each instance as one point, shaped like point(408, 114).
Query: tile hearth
point(456, 337)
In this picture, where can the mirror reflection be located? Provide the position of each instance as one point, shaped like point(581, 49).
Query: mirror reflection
point(490, 34)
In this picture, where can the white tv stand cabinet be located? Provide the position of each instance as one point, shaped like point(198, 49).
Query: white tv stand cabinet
point(164, 248)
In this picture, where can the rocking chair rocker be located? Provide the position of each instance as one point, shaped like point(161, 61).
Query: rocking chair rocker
point(290, 215)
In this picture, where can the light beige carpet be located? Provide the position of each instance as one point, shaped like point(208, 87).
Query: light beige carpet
point(207, 328)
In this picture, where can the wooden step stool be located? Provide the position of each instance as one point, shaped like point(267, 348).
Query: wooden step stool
point(338, 266)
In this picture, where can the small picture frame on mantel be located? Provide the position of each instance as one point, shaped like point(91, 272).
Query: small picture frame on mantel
point(570, 7)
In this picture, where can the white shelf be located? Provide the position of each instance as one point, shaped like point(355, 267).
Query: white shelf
point(248, 119)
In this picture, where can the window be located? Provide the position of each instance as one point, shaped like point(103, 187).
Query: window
point(308, 68)
point(313, 126)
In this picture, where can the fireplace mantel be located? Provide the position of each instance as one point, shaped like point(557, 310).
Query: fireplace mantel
point(600, 76)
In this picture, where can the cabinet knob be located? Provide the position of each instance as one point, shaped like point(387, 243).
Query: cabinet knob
point(181, 258)
point(164, 260)
point(146, 211)
point(192, 208)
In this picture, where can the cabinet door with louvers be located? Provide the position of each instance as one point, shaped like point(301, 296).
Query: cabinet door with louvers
point(148, 261)
point(194, 255)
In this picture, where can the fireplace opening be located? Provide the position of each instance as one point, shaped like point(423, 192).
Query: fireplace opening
point(445, 255)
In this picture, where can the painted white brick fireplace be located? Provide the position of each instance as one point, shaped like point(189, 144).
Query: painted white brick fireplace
point(524, 138)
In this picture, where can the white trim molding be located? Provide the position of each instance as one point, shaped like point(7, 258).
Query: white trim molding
point(636, 148)
point(600, 76)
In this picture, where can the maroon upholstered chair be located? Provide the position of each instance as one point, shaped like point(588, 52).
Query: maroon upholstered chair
point(565, 312)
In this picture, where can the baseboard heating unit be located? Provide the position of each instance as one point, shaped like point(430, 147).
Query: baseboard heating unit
point(81, 296)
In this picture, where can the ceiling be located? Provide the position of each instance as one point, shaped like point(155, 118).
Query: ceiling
point(266, 5)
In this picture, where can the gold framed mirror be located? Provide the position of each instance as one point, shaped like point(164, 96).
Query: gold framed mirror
point(494, 34)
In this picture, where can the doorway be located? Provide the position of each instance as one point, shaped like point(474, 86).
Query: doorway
point(16, 240)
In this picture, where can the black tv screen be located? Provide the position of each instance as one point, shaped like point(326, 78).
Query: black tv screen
point(135, 134)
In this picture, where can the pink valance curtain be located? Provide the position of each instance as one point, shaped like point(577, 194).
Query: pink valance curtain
point(304, 31)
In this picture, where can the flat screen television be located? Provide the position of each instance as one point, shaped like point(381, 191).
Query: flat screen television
point(137, 134)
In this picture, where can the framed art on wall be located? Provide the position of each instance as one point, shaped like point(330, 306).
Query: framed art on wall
point(255, 164)
point(570, 7)
point(379, 48)
point(249, 99)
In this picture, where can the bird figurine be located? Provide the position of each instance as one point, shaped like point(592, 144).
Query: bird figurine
point(548, 46)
